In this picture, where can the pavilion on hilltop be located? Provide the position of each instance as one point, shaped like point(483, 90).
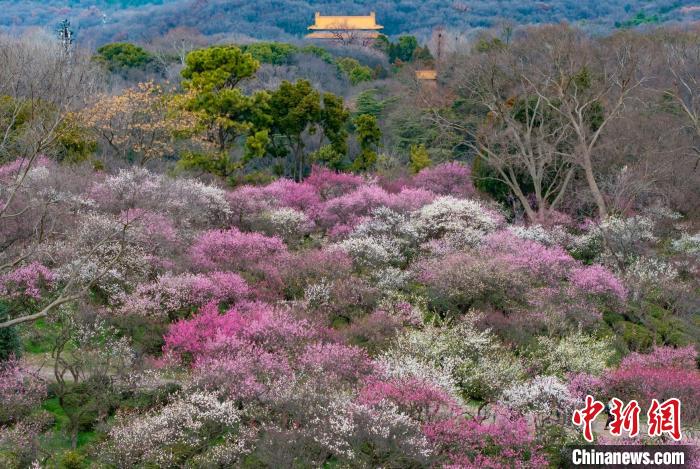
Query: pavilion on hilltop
point(345, 29)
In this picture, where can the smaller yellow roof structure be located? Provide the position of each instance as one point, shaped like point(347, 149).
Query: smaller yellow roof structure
point(426, 74)
point(361, 23)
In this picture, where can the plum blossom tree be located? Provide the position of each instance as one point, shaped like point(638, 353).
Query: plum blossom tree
point(185, 422)
point(662, 374)
point(171, 295)
point(20, 392)
point(446, 179)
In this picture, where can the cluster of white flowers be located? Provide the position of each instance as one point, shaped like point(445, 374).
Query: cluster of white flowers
point(615, 240)
point(287, 223)
point(662, 212)
point(687, 244)
point(372, 252)
point(629, 230)
point(473, 359)
point(577, 352)
point(555, 235)
point(543, 396)
point(333, 426)
point(151, 437)
point(143, 379)
point(37, 174)
point(201, 203)
point(386, 222)
point(390, 279)
point(386, 421)
point(382, 241)
point(395, 364)
point(534, 233)
point(318, 294)
point(229, 452)
point(448, 215)
point(624, 236)
point(188, 201)
point(131, 184)
point(114, 273)
point(650, 274)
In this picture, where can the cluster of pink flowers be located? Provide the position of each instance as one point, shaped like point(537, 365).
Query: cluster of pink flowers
point(173, 294)
point(544, 262)
point(339, 362)
point(416, 397)
point(234, 249)
point(598, 280)
point(330, 184)
point(446, 179)
point(662, 374)
point(210, 331)
point(663, 357)
point(472, 444)
point(20, 392)
point(337, 202)
point(29, 281)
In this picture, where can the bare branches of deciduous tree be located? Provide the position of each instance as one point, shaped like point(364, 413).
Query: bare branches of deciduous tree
point(547, 102)
point(76, 286)
point(39, 86)
point(683, 60)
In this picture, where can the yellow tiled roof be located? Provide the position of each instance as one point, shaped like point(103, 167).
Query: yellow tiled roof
point(346, 22)
point(331, 35)
point(426, 74)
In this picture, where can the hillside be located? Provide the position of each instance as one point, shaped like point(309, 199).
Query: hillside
point(112, 20)
point(217, 252)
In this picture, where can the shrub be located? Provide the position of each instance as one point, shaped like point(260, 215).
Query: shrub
point(469, 444)
point(459, 281)
point(287, 223)
point(30, 281)
point(313, 267)
point(575, 353)
point(348, 209)
point(476, 364)
point(330, 184)
point(546, 398)
point(530, 257)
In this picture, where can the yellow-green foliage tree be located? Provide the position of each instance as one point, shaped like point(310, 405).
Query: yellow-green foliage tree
point(419, 158)
point(141, 124)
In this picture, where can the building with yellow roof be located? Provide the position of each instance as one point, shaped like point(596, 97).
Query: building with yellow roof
point(345, 28)
point(426, 74)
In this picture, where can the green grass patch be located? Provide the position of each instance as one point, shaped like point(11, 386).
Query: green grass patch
point(40, 337)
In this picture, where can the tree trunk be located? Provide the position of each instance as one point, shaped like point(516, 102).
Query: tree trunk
point(593, 186)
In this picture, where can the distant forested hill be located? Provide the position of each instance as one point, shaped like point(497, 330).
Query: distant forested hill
point(140, 20)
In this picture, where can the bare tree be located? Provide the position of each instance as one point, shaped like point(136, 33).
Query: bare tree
point(683, 61)
point(587, 83)
point(547, 101)
point(40, 85)
point(519, 137)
